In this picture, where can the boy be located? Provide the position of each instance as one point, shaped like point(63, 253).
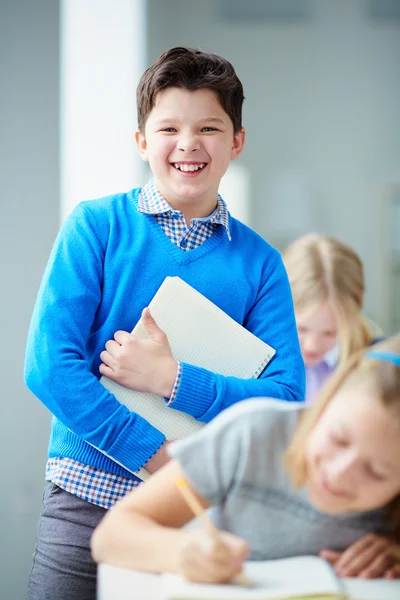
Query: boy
point(108, 261)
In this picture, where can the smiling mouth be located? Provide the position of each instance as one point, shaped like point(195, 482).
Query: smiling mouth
point(189, 167)
point(331, 491)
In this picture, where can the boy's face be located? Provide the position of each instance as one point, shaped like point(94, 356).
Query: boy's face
point(189, 142)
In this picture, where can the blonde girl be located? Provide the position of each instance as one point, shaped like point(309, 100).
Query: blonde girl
point(281, 479)
point(327, 282)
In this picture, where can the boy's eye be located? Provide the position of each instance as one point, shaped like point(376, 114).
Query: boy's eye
point(169, 130)
point(208, 129)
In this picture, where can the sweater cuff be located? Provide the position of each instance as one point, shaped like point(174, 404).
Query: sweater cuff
point(136, 444)
point(196, 392)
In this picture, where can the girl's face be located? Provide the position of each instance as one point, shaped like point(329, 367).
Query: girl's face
point(318, 332)
point(352, 454)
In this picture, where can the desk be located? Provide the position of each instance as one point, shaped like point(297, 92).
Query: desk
point(115, 583)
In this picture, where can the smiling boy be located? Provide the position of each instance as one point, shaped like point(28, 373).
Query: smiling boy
point(108, 261)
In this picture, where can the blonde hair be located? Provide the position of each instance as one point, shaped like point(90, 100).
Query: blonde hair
point(320, 268)
point(383, 376)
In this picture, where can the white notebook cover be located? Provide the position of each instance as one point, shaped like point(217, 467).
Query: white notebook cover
point(304, 577)
point(201, 334)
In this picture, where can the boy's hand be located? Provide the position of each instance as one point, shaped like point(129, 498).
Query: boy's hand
point(144, 365)
point(370, 557)
point(208, 558)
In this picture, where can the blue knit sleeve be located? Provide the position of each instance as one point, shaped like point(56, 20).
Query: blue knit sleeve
point(56, 366)
point(203, 394)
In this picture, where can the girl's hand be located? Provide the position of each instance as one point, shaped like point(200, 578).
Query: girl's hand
point(370, 557)
point(208, 558)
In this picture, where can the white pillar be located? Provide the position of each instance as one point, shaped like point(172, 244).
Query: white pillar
point(103, 54)
point(235, 190)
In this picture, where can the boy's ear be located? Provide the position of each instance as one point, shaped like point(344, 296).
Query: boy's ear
point(141, 144)
point(238, 143)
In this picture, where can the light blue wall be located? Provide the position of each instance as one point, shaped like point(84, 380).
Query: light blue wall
point(28, 223)
point(321, 112)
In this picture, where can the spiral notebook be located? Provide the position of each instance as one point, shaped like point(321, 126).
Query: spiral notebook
point(300, 578)
point(201, 334)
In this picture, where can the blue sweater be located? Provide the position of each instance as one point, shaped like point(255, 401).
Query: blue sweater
point(108, 261)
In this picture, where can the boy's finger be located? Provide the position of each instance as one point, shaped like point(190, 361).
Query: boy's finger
point(121, 336)
point(107, 371)
point(106, 358)
point(112, 347)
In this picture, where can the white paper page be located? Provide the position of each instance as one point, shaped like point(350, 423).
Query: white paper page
point(372, 589)
point(273, 580)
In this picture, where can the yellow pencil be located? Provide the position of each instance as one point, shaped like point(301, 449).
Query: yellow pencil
point(199, 511)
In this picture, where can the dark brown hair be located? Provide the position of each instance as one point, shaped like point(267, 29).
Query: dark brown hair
point(191, 69)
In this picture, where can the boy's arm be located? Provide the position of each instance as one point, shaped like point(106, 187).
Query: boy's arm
point(56, 368)
point(204, 394)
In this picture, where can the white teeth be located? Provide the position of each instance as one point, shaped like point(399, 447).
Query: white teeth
point(185, 167)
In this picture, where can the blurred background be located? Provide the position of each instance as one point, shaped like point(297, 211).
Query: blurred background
point(322, 86)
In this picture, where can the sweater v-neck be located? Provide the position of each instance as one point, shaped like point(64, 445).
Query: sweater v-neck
point(184, 257)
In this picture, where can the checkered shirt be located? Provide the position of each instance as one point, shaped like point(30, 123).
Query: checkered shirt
point(91, 484)
point(173, 222)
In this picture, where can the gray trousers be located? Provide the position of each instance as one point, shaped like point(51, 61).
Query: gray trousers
point(63, 568)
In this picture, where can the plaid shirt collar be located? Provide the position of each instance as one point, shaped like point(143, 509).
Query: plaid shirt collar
point(153, 203)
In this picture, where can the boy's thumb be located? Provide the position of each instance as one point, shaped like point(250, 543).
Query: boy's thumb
point(151, 326)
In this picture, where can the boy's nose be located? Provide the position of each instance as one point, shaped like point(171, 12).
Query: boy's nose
point(188, 142)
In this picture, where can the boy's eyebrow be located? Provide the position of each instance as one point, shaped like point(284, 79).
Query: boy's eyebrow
point(168, 120)
point(212, 120)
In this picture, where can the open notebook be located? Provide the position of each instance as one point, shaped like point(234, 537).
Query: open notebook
point(116, 583)
point(300, 578)
point(201, 334)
